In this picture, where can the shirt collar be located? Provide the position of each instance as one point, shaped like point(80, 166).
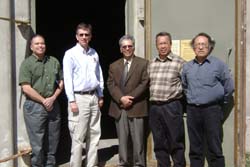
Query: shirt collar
point(208, 59)
point(168, 57)
point(45, 58)
point(129, 61)
point(82, 49)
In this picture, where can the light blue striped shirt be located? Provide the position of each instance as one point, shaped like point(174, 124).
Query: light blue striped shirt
point(82, 71)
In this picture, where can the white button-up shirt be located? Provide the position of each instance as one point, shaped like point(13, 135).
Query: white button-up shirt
point(82, 71)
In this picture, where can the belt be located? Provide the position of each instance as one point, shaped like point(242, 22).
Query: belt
point(204, 105)
point(90, 92)
point(163, 102)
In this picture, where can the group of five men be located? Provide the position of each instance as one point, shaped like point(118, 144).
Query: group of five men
point(204, 84)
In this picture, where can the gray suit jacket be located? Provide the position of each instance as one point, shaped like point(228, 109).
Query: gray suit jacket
point(136, 85)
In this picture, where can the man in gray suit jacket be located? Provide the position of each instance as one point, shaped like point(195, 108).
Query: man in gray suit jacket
point(128, 86)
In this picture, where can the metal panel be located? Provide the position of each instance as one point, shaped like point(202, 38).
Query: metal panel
point(185, 19)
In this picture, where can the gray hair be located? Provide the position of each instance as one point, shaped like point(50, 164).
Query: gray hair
point(127, 37)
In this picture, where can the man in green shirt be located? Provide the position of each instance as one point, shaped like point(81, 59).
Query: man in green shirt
point(41, 81)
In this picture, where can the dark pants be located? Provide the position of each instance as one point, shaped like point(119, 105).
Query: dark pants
point(43, 129)
point(205, 132)
point(167, 127)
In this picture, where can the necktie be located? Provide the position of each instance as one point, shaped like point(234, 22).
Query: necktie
point(125, 72)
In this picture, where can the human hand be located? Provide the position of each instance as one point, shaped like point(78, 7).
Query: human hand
point(100, 102)
point(127, 101)
point(48, 103)
point(73, 107)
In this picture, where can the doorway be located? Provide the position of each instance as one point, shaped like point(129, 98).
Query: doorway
point(57, 21)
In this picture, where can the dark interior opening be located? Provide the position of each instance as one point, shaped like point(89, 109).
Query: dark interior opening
point(57, 20)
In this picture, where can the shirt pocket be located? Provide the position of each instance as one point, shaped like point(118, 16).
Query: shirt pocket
point(38, 71)
point(92, 63)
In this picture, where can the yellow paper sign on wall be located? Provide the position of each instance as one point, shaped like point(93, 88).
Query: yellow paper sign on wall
point(183, 49)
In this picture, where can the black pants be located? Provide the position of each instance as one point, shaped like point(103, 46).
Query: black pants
point(205, 131)
point(167, 127)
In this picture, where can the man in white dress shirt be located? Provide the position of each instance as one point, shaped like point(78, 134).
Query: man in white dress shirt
point(84, 88)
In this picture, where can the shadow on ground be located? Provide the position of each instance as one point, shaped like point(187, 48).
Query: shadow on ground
point(106, 154)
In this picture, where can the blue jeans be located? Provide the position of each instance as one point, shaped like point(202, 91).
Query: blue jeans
point(43, 129)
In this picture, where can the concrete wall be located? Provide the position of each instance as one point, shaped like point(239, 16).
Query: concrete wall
point(5, 84)
point(12, 133)
point(22, 32)
point(135, 24)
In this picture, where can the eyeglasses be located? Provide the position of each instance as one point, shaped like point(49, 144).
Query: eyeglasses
point(84, 34)
point(127, 46)
point(203, 45)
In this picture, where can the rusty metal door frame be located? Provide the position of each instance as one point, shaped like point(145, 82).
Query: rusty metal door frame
point(240, 84)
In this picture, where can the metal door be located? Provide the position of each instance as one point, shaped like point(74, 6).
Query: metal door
point(185, 19)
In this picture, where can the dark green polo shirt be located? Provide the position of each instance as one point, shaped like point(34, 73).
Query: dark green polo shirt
point(42, 75)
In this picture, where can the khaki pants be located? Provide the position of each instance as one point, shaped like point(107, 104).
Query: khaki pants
point(85, 125)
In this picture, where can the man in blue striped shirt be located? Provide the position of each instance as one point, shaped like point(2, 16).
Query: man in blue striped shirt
point(208, 85)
